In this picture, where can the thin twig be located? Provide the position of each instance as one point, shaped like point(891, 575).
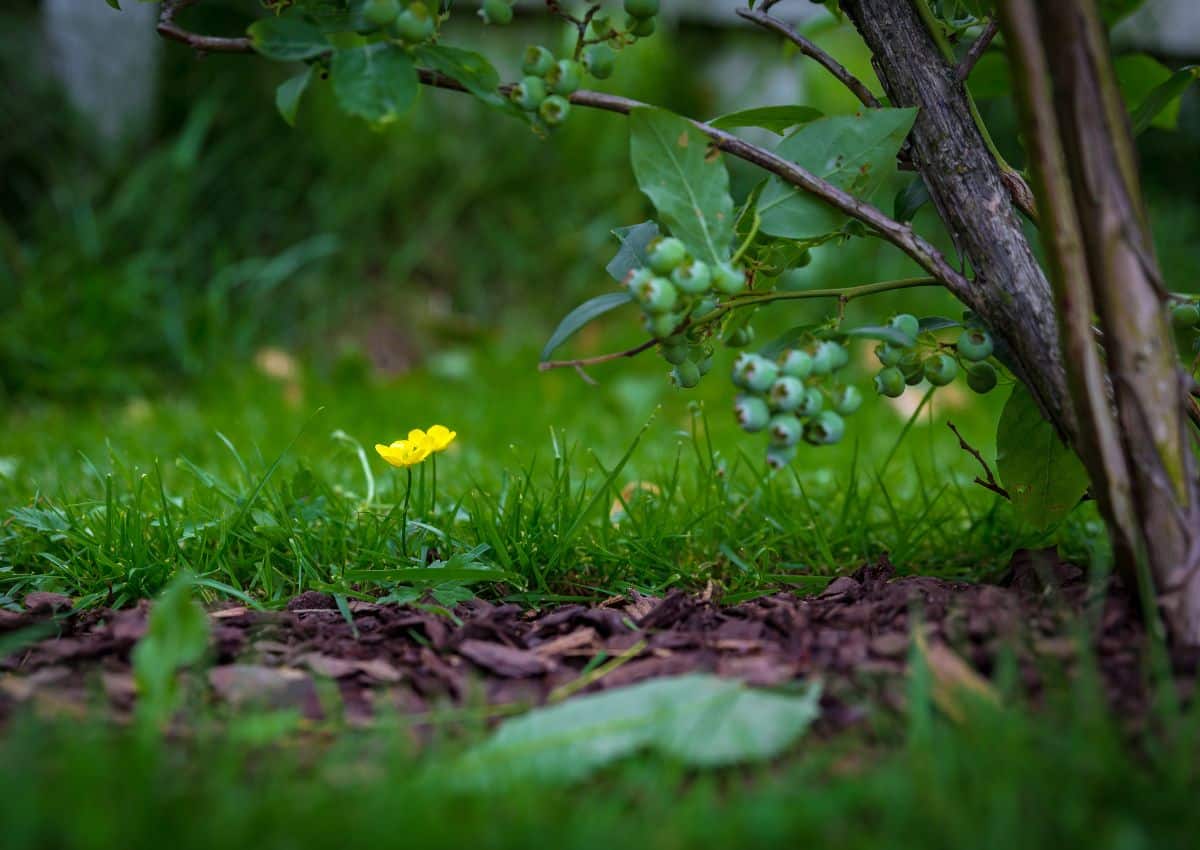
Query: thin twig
point(990, 482)
point(812, 51)
point(167, 28)
point(977, 49)
point(578, 363)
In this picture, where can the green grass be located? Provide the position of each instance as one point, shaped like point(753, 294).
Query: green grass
point(264, 489)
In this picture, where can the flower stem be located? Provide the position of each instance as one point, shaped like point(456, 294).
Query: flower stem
point(433, 488)
point(404, 521)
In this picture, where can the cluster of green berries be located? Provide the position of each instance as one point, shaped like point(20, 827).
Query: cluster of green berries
point(412, 23)
point(677, 292)
point(795, 397)
point(909, 365)
point(549, 81)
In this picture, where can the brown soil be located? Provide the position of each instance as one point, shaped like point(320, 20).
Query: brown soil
point(855, 636)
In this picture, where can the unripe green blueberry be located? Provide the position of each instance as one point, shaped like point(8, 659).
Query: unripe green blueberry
point(846, 400)
point(888, 354)
point(812, 404)
point(981, 377)
point(415, 24)
point(640, 27)
point(565, 77)
point(380, 13)
point(705, 364)
point(890, 382)
point(601, 24)
point(662, 325)
point(1185, 316)
point(554, 109)
point(975, 344)
point(907, 324)
point(703, 307)
point(665, 254)
point(785, 430)
point(686, 374)
point(940, 369)
point(692, 277)
point(760, 373)
point(786, 394)
point(673, 352)
point(699, 353)
point(641, 8)
point(741, 337)
point(752, 413)
point(529, 93)
point(829, 357)
point(727, 279)
point(636, 277)
point(598, 60)
point(741, 364)
point(796, 363)
point(780, 456)
point(804, 258)
point(657, 294)
point(538, 61)
point(497, 12)
point(912, 367)
point(824, 429)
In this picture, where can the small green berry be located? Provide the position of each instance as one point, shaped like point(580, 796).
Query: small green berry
point(674, 353)
point(940, 369)
point(641, 8)
point(565, 77)
point(780, 456)
point(760, 373)
point(657, 294)
point(824, 429)
point(890, 382)
point(380, 13)
point(829, 357)
point(727, 279)
point(636, 277)
point(692, 277)
point(415, 24)
point(554, 109)
point(529, 93)
point(751, 412)
point(1185, 316)
point(538, 61)
point(785, 430)
point(665, 254)
point(975, 344)
point(601, 24)
point(640, 27)
point(786, 394)
point(812, 404)
point(888, 354)
point(912, 367)
point(661, 325)
point(686, 374)
point(598, 61)
point(496, 12)
point(703, 307)
point(981, 377)
point(847, 399)
point(907, 324)
point(740, 337)
point(796, 363)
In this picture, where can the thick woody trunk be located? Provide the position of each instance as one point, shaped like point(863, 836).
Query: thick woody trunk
point(1083, 151)
point(1011, 293)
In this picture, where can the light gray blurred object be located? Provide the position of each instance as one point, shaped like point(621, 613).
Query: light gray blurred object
point(1164, 26)
point(105, 60)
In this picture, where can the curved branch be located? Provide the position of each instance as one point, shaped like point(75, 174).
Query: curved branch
point(976, 51)
point(899, 234)
point(834, 67)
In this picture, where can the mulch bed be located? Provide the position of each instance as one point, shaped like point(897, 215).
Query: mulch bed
point(855, 636)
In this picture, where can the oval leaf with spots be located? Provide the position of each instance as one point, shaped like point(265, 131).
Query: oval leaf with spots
point(683, 175)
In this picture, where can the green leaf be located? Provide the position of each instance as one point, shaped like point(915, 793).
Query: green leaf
point(377, 82)
point(471, 69)
point(854, 152)
point(581, 315)
point(116, 4)
point(632, 253)
point(1044, 478)
point(287, 96)
point(1113, 11)
point(777, 119)
point(287, 38)
point(787, 339)
point(433, 575)
point(698, 720)
point(938, 323)
point(685, 178)
point(910, 199)
point(1162, 98)
point(882, 332)
point(1138, 76)
point(176, 637)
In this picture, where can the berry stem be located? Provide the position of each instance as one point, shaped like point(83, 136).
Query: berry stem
point(745, 246)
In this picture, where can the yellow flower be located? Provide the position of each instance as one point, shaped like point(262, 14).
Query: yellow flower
point(405, 452)
point(439, 437)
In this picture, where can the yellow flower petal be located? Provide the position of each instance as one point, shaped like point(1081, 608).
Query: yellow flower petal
point(439, 437)
point(417, 436)
point(403, 452)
